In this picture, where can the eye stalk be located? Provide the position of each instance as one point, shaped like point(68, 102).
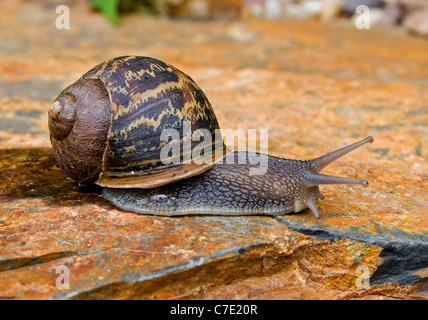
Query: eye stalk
point(313, 178)
point(320, 163)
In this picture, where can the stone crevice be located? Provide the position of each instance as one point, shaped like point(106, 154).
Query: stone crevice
point(10, 264)
point(401, 256)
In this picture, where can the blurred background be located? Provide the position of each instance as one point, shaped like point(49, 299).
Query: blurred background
point(412, 14)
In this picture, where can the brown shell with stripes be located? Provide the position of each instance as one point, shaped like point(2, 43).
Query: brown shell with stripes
point(105, 128)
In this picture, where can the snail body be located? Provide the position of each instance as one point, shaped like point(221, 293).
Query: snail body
point(106, 129)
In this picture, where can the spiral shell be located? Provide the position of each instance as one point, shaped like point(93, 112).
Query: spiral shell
point(106, 127)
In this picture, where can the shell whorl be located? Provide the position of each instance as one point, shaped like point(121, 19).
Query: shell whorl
point(62, 116)
point(79, 119)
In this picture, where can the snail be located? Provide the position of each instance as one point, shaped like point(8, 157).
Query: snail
point(107, 128)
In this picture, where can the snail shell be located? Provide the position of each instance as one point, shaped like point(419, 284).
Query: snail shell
point(106, 127)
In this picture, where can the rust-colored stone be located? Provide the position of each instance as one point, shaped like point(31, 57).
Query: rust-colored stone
point(315, 86)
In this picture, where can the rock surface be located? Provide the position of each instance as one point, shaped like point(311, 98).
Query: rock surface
point(315, 86)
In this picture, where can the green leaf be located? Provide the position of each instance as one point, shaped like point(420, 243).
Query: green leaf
point(110, 8)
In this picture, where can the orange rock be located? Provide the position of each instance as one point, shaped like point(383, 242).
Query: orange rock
point(315, 86)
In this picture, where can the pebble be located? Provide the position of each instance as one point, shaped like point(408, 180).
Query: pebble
point(417, 21)
point(350, 6)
